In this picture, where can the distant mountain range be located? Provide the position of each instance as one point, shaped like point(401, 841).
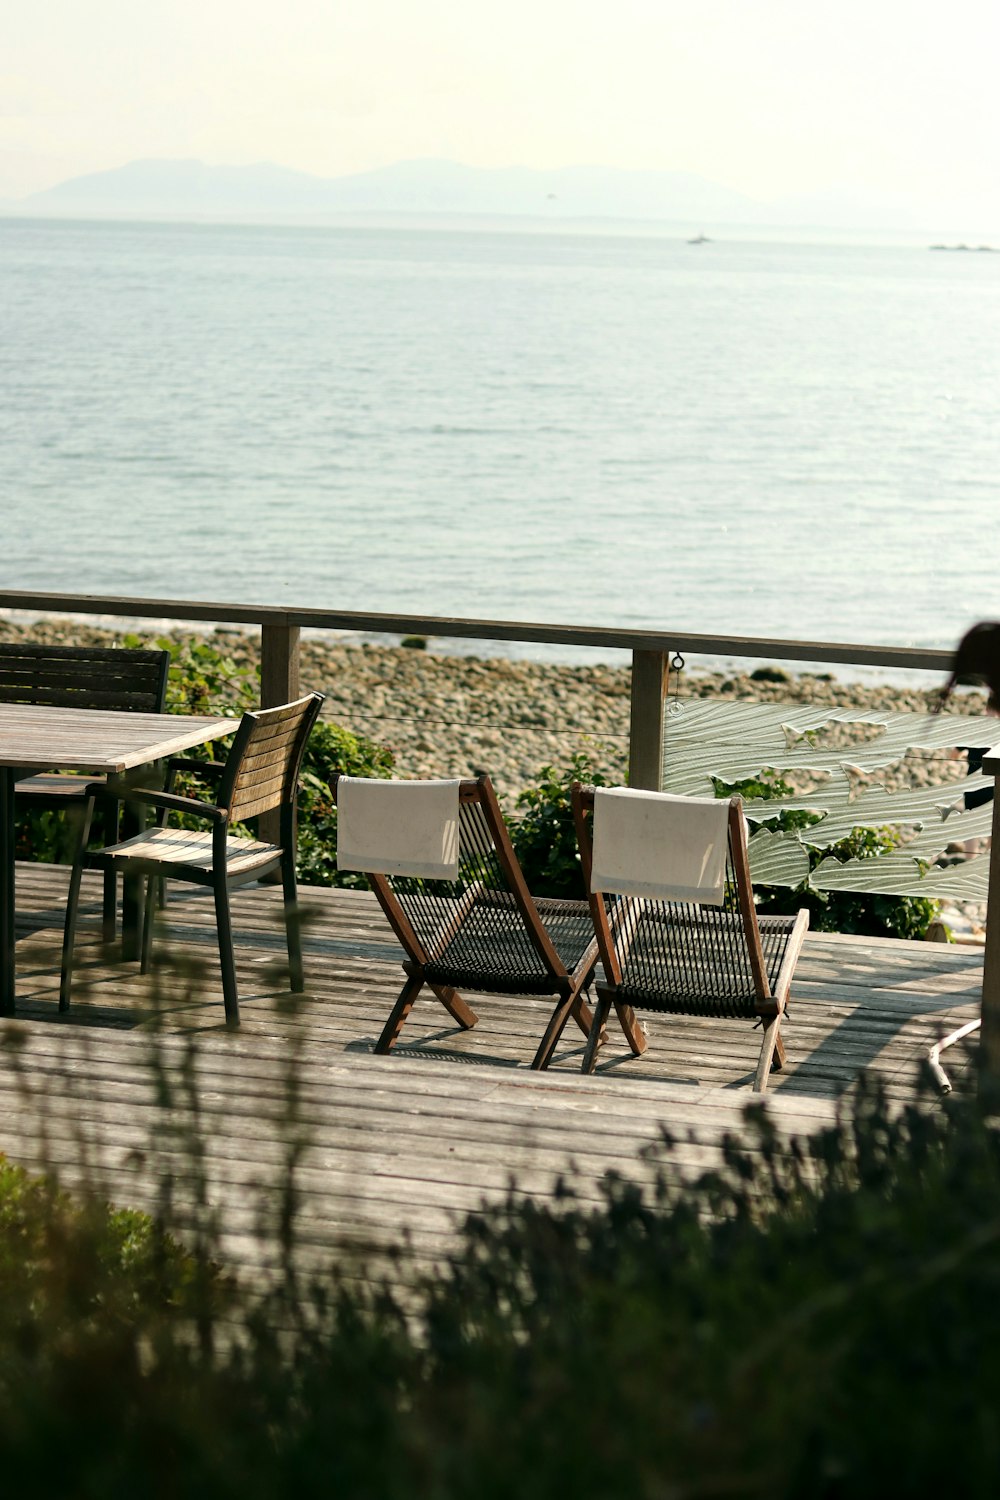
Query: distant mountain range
point(264, 192)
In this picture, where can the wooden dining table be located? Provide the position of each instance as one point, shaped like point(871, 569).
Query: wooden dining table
point(89, 740)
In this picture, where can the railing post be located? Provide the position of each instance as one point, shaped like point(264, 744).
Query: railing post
point(645, 755)
point(989, 1035)
point(279, 683)
point(279, 665)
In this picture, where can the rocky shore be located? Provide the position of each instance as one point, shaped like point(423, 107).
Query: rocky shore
point(455, 715)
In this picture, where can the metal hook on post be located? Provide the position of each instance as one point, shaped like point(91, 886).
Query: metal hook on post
point(677, 667)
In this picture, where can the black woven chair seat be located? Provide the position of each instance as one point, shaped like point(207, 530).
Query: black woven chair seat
point(669, 966)
point(492, 949)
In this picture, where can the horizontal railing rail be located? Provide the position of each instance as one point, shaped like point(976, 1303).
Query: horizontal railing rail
point(543, 633)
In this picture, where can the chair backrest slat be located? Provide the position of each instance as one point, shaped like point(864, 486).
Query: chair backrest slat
point(263, 766)
point(118, 678)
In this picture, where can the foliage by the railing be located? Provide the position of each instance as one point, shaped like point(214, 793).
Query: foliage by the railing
point(205, 680)
point(783, 859)
point(708, 744)
point(332, 751)
point(543, 833)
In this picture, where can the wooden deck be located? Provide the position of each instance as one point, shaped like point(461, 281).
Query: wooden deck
point(402, 1145)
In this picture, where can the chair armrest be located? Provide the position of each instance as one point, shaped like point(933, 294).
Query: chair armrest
point(210, 769)
point(171, 802)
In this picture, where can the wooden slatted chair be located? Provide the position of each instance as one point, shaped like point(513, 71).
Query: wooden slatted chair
point(484, 931)
point(260, 774)
point(92, 677)
point(690, 958)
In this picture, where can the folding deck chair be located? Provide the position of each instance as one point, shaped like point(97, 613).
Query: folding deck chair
point(440, 861)
point(668, 881)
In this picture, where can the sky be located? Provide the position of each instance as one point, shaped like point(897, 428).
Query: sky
point(893, 98)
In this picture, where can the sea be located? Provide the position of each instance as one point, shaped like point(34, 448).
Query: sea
point(733, 437)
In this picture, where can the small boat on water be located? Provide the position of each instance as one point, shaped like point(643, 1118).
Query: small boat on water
point(700, 239)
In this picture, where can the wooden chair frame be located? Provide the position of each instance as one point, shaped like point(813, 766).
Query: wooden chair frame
point(254, 778)
point(614, 936)
point(567, 987)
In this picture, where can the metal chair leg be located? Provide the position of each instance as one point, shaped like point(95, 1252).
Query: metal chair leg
point(293, 923)
point(109, 835)
point(72, 910)
point(153, 885)
point(226, 956)
point(133, 820)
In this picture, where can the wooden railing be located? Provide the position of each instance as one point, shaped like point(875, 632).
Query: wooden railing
point(280, 628)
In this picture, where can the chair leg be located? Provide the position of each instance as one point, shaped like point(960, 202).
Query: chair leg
point(293, 924)
point(226, 956)
point(109, 835)
point(600, 1021)
point(72, 910)
point(575, 1006)
point(632, 1027)
point(110, 909)
point(779, 1054)
point(582, 1014)
point(767, 1050)
point(554, 1030)
point(390, 1031)
point(455, 1005)
point(133, 820)
point(153, 884)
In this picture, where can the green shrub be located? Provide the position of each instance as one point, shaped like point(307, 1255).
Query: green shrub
point(861, 911)
point(332, 750)
point(806, 1324)
point(205, 680)
point(801, 1322)
point(97, 1331)
point(544, 835)
point(834, 911)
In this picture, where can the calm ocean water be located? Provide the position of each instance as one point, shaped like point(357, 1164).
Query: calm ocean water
point(765, 439)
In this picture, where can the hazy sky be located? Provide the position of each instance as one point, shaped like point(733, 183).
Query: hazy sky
point(771, 97)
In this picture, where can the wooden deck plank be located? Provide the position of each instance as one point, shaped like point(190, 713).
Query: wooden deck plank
point(410, 1143)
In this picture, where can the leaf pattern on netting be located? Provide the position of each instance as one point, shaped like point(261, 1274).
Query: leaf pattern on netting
point(842, 750)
